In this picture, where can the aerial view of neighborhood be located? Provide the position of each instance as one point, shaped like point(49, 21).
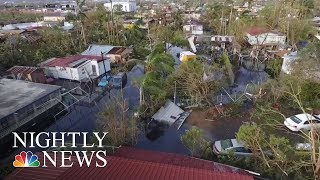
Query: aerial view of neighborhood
point(160, 89)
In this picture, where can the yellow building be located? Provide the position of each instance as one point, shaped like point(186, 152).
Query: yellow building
point(187, 56)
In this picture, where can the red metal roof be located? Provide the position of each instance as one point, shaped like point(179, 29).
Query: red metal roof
point(175, 159)
point(65, 61)
point(254, 31)
point(22, 69)
point(130, 163)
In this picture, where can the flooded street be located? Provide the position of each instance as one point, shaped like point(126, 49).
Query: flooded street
point(82, 118)
point(165, 139)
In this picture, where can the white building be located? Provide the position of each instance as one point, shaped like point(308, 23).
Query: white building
point(257, 36)
point(77, 68)
point(193, 28)
point(126, 5)
point(195, 16)
point(54, 18)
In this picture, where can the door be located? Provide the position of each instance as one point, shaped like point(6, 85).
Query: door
point(94, 70)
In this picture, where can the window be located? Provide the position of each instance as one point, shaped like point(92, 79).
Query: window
point(312, 122)
point(315, 121)
point(226, 144)
point(295, 119)
point(173, 117)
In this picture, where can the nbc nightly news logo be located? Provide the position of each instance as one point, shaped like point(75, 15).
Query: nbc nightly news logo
point(83, 158)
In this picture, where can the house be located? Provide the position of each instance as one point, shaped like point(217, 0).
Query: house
point(191, 15)
point(137, 164)
point(22, 102)
point(259, 36)
point(77, 67)
point(187, 56)
point(23, 26)
point(54, 18)
point(27, 73)
point(125, 5)
point(222, 42)
point(116, 54)
point(193, 27)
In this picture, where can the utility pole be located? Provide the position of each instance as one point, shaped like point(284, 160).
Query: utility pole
point(104, 66)
point(175, 92)
point(141, 95)
point(112, 12)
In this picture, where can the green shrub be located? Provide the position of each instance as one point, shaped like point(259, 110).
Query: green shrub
point(274, 68)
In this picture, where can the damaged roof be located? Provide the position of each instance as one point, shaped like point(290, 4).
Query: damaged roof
point(23, 69)
point(96, 50)
point(169, 113)
point(69, 61)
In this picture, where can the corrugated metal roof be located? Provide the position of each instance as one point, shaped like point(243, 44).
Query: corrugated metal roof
point(176, 159)
point(95, 50)
point(254, 31)
point(116, 50)
point(22, 69)
point(67, 61)
point(130, 163)
point(169, 113)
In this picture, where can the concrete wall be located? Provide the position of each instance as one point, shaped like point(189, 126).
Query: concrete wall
point(115, 58)
point(266, 38)
point(66, 73)
point(54, 18)
point(101, 69)
point(193, 29)
point(38, 76)
point(51, 72)
point(84, 71)
point(130, 6)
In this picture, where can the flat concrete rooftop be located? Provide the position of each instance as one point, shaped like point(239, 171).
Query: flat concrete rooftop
point(16, 94)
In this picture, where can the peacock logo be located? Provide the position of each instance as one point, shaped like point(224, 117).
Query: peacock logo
point(26, 160)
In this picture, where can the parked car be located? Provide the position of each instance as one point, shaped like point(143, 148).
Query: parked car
point(119, 80)
point(302, 122)
point(230, 145)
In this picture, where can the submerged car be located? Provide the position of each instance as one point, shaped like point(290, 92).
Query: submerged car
point(302, 122)
point(230, 146)
point(119, 80)
point(105, 81)
point(303, 147)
